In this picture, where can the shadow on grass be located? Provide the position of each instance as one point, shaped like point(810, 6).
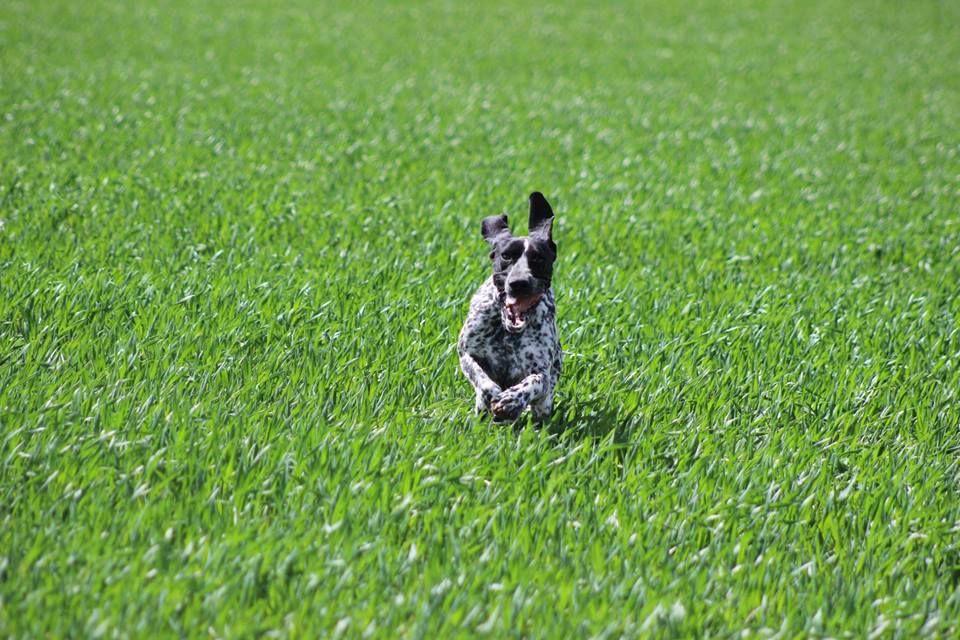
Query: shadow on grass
point(594, 418)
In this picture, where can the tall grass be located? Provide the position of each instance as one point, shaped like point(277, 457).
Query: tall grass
point(237, 241)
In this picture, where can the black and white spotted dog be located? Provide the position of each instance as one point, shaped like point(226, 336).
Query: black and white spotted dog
point(508, 346)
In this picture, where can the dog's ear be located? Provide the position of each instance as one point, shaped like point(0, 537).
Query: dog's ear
point(541, 216)
point(493, 227)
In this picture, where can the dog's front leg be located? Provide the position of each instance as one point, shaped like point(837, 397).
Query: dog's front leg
point(487, 390)
point(542, 407)
point(514, 400)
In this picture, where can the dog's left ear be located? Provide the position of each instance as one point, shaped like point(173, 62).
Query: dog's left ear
point(541, 215)
point(541, 218)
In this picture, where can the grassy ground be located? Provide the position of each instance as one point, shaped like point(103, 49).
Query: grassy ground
point(237, 241)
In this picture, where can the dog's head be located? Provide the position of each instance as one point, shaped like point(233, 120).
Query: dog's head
point(522, 266)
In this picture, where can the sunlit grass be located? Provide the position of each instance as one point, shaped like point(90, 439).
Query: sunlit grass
point(237, 241)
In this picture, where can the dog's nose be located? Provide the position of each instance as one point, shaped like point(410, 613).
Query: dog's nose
point(519, 286)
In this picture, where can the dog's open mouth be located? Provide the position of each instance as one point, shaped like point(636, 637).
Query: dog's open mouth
point(516, 310)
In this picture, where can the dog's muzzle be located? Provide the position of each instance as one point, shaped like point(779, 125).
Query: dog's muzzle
point(516, 310)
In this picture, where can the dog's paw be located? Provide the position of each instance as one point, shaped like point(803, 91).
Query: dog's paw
point(509, 405)
point(486, 398)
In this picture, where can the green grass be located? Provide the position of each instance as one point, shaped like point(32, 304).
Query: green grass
point(237, 241)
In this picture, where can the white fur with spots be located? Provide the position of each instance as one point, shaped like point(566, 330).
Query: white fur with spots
point(510, 371)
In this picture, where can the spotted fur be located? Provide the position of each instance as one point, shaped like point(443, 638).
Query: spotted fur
point(512, 369)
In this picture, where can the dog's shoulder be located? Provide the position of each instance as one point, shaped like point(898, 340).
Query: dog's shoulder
point(484, 298)
point(544, 318)
point(483, 316)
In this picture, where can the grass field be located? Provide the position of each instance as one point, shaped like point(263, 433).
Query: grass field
point(238, 239)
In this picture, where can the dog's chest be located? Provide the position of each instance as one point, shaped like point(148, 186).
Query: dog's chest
point(508, 358)
point(531, 353)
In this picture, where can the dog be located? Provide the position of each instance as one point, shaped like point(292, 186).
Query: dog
point(509, 348)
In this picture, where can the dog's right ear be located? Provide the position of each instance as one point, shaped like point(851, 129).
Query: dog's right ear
point(494, 227)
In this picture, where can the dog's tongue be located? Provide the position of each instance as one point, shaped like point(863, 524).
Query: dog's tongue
point(521, 305)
